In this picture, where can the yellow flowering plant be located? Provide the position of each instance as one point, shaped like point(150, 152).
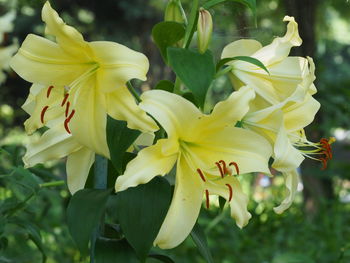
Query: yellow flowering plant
point(156, 158)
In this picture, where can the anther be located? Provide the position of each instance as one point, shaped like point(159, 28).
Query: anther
point(67, 108)
point(64, 99)
point(224, 168)
point(207, 198)
point(236, 166)
point(201, 174)
point(220, 169)
point(43, 113)
point(324, 163)
point(230, 192)
point(49, 91)
point(66, 122)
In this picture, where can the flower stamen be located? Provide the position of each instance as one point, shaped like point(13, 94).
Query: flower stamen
point(42, 114)
point(66, 122)
point(201, 174)
point(49, 91)
point(220, 169)
point(236, 166)
point(67, 109)
point(230, 192)
point(207, 198)
point(64, 99)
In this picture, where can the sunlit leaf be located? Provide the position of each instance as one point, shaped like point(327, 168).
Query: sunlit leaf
point(195, 70)
point(166, 34)
point(251, 60)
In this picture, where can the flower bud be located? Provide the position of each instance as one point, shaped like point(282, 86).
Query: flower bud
point(175, 12)
point(204, 30)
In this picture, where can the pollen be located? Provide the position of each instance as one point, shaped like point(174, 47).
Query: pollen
point(230, 192)
point(65, 98)
point(224, 170)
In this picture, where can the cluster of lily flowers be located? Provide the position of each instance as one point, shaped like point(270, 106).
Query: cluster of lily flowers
point(76, 84)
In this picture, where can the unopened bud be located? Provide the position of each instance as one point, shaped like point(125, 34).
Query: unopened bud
point(174, 12)
point(204, 30)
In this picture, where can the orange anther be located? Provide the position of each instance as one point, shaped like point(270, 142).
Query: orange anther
point(201, 174)
point(230, 192)
point(220, 169)
point(66, 122)
point(324, 163)
point(67, 108)
point(236, 166)
point(224, 168)
point(207, 198)
point(49, 91)
point(43, 113)
point(64, 99)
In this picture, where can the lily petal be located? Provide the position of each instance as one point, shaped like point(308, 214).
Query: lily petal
point(38, 55)
point(67, 37)
point(78, 166)
point(121, 105)
point(291, 181)
point(53, 144)
point(242, 47)
point(118, 65)
point(280, 47)
point(176, 114)
point(227, 112)
point(249, 150)
point(149, 163)
point(89, 102)
point(43, 109)
point(184, 208)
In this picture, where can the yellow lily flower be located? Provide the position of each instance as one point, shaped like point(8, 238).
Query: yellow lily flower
point(283, 126)
point(207, 150)
point(56, 143)
point(286, 73)
point(83, 81)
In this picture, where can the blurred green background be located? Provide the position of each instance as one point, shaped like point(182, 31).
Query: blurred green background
point(316, 227)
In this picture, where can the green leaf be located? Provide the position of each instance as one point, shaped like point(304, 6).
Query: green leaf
point(161, 258)
point(166, 85)
point(142, 211)
point(114, 251)
point(251, 4)
point(33, 234)
point(119, 139)
point(85, 210)
point(195, 70)
point(166, 34)
point(200, 240)
point(222, 202)
point(251, 60)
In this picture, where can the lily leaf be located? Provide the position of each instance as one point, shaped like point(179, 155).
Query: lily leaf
point(166, 85)
point(200, 240)
point(251, 60)
point(195, 70)
point(111, 251)
point(85, 210)
point(119, 139)
point(142, 211)
point(166, 34)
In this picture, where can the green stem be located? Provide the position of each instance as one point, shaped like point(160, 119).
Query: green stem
point(133, 91)
point(177, 86)
point(55, 183)
point(192, 23)
point(100, 182)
